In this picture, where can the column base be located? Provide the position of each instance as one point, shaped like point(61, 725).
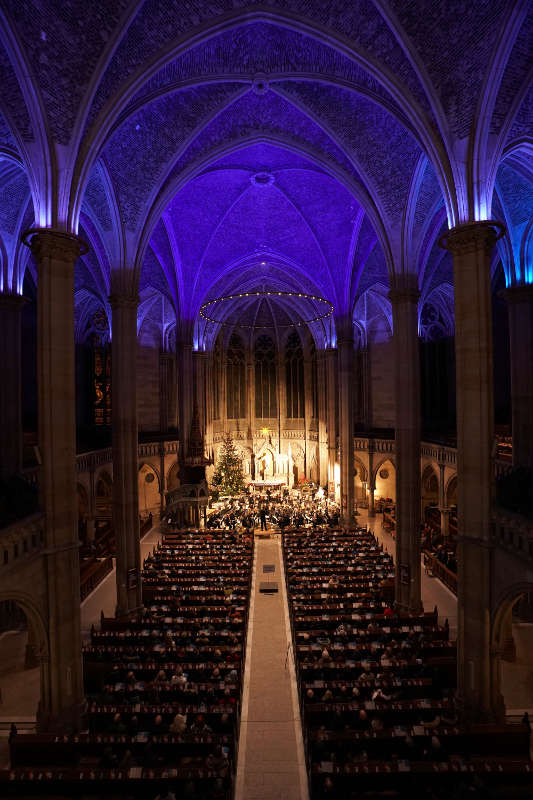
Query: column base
point(405, 608)
point(121, 613)
point(68, 720)
point(31, 657)
point(469, 711)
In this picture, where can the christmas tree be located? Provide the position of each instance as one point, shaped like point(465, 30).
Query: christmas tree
point(228, 477)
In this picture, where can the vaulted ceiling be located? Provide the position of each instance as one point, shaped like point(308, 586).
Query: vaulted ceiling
point(219, 147)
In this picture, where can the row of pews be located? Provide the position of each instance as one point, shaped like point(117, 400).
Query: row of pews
point(377, 689)
point(163, 687)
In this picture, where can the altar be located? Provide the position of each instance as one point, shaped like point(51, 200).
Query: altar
point(268, 483)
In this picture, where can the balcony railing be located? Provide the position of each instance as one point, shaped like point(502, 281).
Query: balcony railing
point(21, 540)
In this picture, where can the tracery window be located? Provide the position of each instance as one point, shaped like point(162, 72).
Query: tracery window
point(235, 374)
point(314, 383)
point(294, 377)
point(265, 378)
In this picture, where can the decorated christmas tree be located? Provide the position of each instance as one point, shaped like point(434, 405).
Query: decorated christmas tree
point(228, 477)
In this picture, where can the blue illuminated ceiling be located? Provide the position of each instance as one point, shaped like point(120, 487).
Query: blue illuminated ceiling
point(208, 148)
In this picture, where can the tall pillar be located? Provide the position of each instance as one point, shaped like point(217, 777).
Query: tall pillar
point(364, 392)
point(322, 418)
point(444, 510)
point(55, 253)
point(471, 246)
point(201, 370)
point(371, 478)
point(346, 380)
point(209, 411)
point(404, 300)
point(11, 395)
point(165, 390)
point(520, 310)
point(250, 397)
point(331, 408)
point(185, 395)
point(282, 398)
point(309, 445)
point(125, 452)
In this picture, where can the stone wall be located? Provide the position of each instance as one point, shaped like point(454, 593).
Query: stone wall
point(382, 385)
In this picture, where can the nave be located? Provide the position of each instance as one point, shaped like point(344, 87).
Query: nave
point(219, 690)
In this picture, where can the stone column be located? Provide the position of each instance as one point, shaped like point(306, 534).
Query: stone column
point(165, 390)
point(364, 377)
point(331, 410)
point(125, 452)
point(11, 395)
point(309, 444)
point(90, 529)
point(371, 478)
point(346, 360)
point(471, 246)
point(250, 398)
point(185, 380)
point(520, 310)
point(162, 480)
point(404, 300)
point(444, 511)
point(322, 417)
point(209, 411)
point(62, 692)
point(282, 397)
point(202, 388)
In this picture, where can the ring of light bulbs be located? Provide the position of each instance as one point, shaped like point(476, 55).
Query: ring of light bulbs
point(273, 294)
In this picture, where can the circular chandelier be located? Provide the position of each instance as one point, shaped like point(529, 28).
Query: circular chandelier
point(207, 314)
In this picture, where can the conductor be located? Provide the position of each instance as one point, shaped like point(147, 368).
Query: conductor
point(263, 518)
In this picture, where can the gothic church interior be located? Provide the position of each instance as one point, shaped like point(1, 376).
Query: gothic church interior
point(299, 232)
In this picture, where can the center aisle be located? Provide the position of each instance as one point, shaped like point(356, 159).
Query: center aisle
point(271, 763)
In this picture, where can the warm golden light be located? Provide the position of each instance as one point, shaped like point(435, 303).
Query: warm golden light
point(264, 431)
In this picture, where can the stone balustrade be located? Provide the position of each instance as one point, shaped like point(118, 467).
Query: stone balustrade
point(513, 533)
point(21, 540)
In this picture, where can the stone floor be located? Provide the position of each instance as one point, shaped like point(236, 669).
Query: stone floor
point(19, 687)
point(517, 676)
point(271, 763)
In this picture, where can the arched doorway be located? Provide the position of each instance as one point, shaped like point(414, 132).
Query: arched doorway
point(173, 480)
point(23, 659)
point(104, 495)
point(451, 492)
point(149, 497)
point(360, 482)
point(385, 481)
point(512, 646)
point(429, 496)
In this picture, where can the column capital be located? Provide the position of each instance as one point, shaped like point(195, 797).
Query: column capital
point(9, 301)
point(520, 293)
point(52, 243)
point(404, 289)
point(119, 301)
point(472, 236)
point(344, 328)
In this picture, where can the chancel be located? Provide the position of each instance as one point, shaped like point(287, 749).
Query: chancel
point(266, 411)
